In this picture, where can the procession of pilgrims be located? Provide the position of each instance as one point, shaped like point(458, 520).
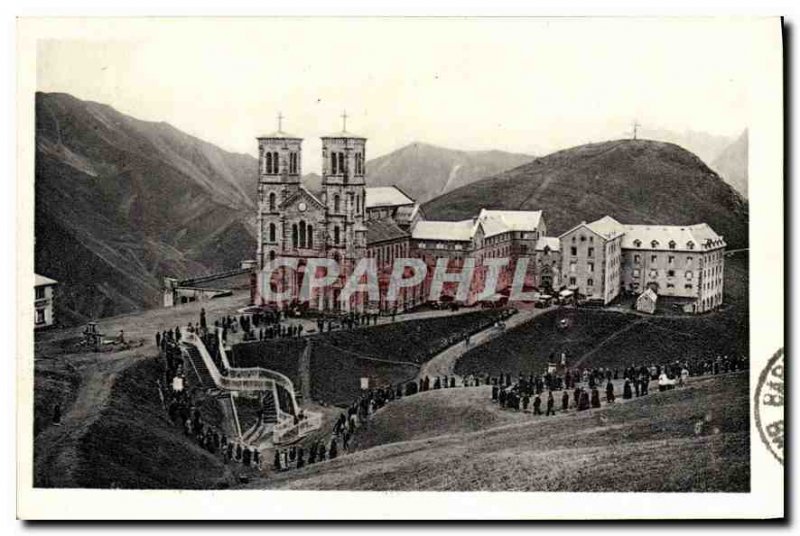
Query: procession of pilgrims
point(560, 388)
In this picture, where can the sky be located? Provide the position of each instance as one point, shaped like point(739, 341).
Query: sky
point(515, 84)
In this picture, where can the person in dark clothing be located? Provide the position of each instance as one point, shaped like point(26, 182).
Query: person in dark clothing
point(636, 386)
point(550, 403)
point(525, 402)
point(537, 405)
point(627, 394)
point(583, 404)
point(276, 461)
point(495, 392)
point(300, 461)
point(576, 397)
point(565, 401)
point(595, 398)
point(610, 392)
point(158, 339)
point(334, 451)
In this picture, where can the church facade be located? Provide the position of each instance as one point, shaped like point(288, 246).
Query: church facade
point(347, 220)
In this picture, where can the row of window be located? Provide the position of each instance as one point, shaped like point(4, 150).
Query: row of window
point(654, 244)
point(688, 275)
point(338, 162)
point(271, 163)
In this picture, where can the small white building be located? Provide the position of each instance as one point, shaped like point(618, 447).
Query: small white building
point(43, 299)
point(646, 302)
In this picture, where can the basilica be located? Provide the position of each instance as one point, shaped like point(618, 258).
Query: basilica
point(349, 220)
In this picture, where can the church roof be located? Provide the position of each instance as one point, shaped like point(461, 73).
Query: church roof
point(607, 227)
point(279, 135)
point(386, 196)
point(502, 221)
point(383, 230)
point(444, 230)
point(344, 134)
point(701, 236)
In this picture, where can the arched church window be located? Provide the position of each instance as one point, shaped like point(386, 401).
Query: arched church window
point(294, 235)
point(272, 232)
point(275, 163)
point(272, 255)
point(310, 236)
point(272, 202)
point(268, 161)
point(334, 161)
point(341, 162)
point(336, 204)
point(302, 234)
point(336, 235)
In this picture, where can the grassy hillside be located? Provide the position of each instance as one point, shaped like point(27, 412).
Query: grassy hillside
point(597, 337)
point(638, 181)
point(731, 164)
point(120, 203)
point(693, 439)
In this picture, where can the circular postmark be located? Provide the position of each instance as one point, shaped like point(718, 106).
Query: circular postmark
point(770, 398)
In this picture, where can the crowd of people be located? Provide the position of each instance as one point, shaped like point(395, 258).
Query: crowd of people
point(179, 403)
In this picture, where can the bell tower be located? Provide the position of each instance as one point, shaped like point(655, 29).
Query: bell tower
point(344, 196)
point(279, 172)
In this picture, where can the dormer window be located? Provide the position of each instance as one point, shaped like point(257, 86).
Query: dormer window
point(654, 244)
point(637, 243)
point(690, 244)
point(671, 244)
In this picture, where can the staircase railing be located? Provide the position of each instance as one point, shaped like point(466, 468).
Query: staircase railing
point(257, 379)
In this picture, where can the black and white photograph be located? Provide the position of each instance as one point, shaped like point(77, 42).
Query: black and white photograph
point(480, 257)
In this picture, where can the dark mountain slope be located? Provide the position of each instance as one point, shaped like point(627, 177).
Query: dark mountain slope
point(425, 171)
point(637, 181)
point(121, 203)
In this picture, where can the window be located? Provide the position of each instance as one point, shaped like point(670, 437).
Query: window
point(272, 232)
point(671, 244)
point(637, 243)
point(591, 252)
point(272, 202)
point(688, 286)
point(653, 258)
point(572, 267)
point(310, 236)
point(636, 273)
point(653, 274)
point(336, 204)
point(39, 293)
point(336, 235)
point(689, 275)
point(302, 234)
point(688, 262)
point(573, 251)
point(571, 280)
point(671, 259)
point(590, 282)
point(670, 273)
point(591, 267)
point(272, 255)
point(690, 244)
point(294, 235)
point(341, 163)
point(268, 163)
point(583, 238)
point(39, 315)
point(670, 285)
point(637, 259)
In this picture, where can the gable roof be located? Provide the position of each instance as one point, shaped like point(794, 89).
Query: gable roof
point(386, 196)
point(607, 227)
point(444, 230)
point(41, 281)
point(548, 241)
point(302, 190)
point(701, 235)
point(496, 222)
point(383, 230)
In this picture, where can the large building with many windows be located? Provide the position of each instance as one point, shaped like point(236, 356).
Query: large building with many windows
point(348, 220)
